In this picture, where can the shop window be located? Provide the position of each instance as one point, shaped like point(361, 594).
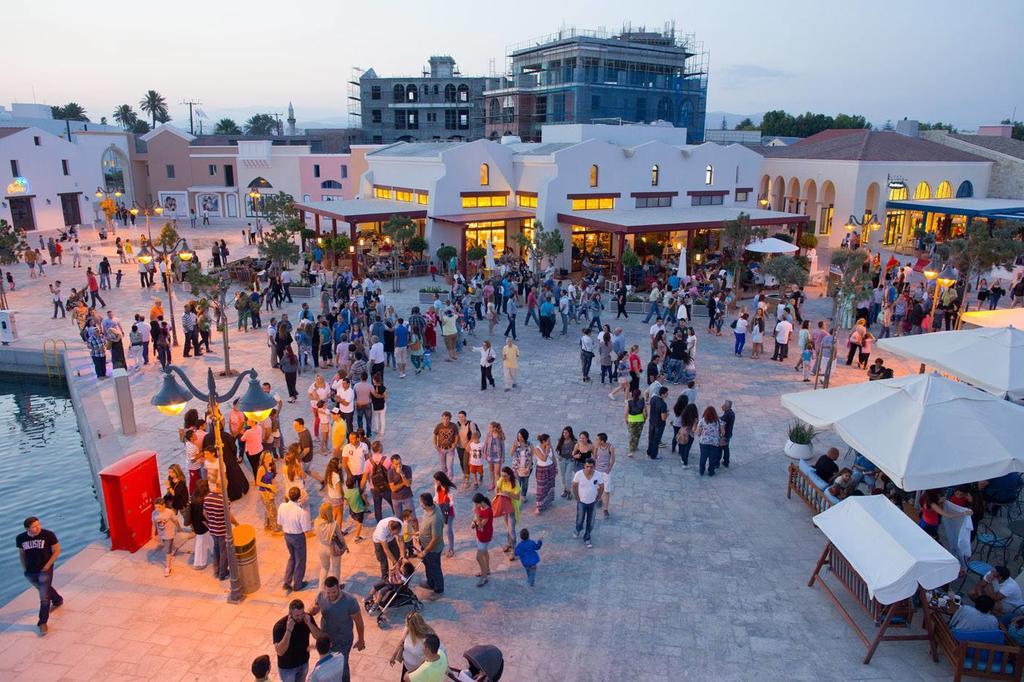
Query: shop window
point(654, 175)
point(593, 175)
point(485, 174)
point(709, 175)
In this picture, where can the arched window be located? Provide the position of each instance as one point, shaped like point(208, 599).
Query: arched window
point(923, 191)
point(449, 93)
point(330, 184)
point(412, 94)
point(654, 175)
point(593, 175)
point(113, 171)
point(945, 190)
point(485, 174)
point(965, 190)
point(463, 93)
point(709, 175)
point(399, 92)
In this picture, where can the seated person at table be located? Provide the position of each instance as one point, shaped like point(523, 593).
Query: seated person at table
point(975, 618)
point(862, 467)
point(1001, 490)
point(826, 466)
point(1003, 589)
point(842, 485)
point(878, 370)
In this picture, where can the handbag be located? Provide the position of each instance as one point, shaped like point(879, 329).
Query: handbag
point(683, 437)
point(338, 546)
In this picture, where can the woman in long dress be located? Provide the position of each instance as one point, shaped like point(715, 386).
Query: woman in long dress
point(545, 470)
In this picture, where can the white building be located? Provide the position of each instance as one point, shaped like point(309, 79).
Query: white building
point(50, 182)
point(839, 174)
point(604, 187)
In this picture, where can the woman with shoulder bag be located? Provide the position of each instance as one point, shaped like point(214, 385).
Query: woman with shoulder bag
point(684, 438)
point(332, 543)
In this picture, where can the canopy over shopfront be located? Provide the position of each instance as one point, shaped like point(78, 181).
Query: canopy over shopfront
point(355, 212)
point(924, 431)
point(485, 228)
point(991, 359)
point(689, 219)
point(1009, 209)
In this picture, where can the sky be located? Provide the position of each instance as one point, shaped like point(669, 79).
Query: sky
point(945, 60)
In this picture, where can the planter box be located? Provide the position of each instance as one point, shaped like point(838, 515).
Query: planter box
point(798, 450)
point(306, 292)
point(429, 298)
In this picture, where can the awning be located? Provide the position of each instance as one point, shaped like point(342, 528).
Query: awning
point(980, 208)
point(363, 210)
point(886, 549)
point(991, 359)
point(670, 219)
point(467, 218)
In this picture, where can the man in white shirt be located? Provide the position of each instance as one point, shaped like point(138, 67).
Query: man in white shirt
point(487, 359)
point(1003, 589)
point(681, 316)
point(387, 546)
point(564, 310)
point(294, 521)
point(587, 487)
point(345, 396)
point(658, 326)
point(286, 284)
point(783, 330)
point(377, 357)
point(354, 455)
point(586, 353)
point(331, 664)
point(652, 303)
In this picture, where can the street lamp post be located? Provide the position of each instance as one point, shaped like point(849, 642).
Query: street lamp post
point(256, 405)
point(868, 224)
point(180, 249)
point(103, 195)
point(943, 279)
point(255, 196)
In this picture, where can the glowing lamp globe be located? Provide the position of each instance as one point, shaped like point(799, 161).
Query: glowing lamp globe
point(256, 404)
point(171, 397)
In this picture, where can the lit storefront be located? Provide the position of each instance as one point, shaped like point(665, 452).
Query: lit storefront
point(947, 218)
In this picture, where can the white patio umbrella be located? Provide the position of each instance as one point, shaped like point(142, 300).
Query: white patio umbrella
point(681, 269)
point(771, 245)
point(490, 255)
point(1003, 317)
point(989, 358)
point(924, 431)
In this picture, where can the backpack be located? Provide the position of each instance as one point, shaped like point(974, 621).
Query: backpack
point(378, 476)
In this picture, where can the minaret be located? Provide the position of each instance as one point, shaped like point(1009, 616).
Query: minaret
point(291, 119)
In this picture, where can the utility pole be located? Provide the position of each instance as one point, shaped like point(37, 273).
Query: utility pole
point(280, 131)
point(191, 124)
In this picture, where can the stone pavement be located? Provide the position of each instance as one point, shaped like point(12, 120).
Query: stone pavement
point(690, 578)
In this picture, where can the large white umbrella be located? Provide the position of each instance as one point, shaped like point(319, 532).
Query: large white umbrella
point(924, 430)
point(771, 245)
point(991, 359)
point(889, 551)
point(1003, 317)
point(681, 269)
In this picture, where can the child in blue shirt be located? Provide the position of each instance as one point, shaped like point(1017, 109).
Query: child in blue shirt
point(526, 550)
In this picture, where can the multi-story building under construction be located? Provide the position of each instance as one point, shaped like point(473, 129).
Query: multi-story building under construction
point(582, 76)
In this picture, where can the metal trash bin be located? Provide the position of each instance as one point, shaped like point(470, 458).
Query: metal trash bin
point(245, 553)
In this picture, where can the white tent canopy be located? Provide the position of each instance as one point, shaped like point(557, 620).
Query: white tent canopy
point(991, 359)
point(771, 245)
point(888, 550)
point(924, 431)
point(1003, 317)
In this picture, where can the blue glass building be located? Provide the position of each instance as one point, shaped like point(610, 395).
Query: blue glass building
point(578, 76)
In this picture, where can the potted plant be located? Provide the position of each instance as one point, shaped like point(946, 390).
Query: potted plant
point(798, 441)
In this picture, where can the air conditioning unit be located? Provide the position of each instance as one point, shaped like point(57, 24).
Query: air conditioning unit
point(8, 329)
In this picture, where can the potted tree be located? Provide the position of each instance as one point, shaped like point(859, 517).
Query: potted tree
point(798, 440)
point(418, 245)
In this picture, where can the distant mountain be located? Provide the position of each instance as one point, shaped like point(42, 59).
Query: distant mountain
point(713, 121)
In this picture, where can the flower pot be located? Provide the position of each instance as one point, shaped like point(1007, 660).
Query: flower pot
point(798, 450)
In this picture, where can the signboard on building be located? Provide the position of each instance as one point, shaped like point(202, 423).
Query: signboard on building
point(18, 186)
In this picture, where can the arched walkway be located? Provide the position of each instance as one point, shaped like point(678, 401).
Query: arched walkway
point(793, 196)
point(826, 212)
point(778, 197)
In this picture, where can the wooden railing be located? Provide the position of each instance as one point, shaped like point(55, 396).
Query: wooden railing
point(800, 483)
point(976, 659)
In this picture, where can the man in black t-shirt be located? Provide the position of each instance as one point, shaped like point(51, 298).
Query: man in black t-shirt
point(657, 415)
point(826, 466)
point(291, 642)
point(38, 549)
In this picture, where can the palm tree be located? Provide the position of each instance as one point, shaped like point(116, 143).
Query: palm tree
point(226, 126)
point(260, 124)
point(124, 115)
point(154, 104)
point(139, 127)
point(72, 111)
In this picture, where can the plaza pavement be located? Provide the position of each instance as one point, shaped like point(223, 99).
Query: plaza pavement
point(690, 578)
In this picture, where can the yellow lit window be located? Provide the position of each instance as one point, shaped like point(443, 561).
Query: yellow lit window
point(654, 175)
point(500, 200)
point(381, 193)
point(593, 203)
point(526, 201)
point(401, 195)
point(469, 202)
point(593, 175)
point(422, 198)
point(483, 201)
point(485, 174)
point(579, 204)
point(606, 202)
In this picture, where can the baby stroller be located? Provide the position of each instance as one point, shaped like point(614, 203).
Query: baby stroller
point(390, 594)
point(486, 664)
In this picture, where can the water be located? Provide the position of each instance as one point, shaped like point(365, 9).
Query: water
point(45, 472)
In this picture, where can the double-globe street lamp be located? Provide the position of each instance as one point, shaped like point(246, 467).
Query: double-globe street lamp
point(255, 196)
point(103, 195)
point(181, 250)
point(943, 277)
point(868, 224)
point(255, 404)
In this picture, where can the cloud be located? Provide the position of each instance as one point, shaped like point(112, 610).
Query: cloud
point(734, 76)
